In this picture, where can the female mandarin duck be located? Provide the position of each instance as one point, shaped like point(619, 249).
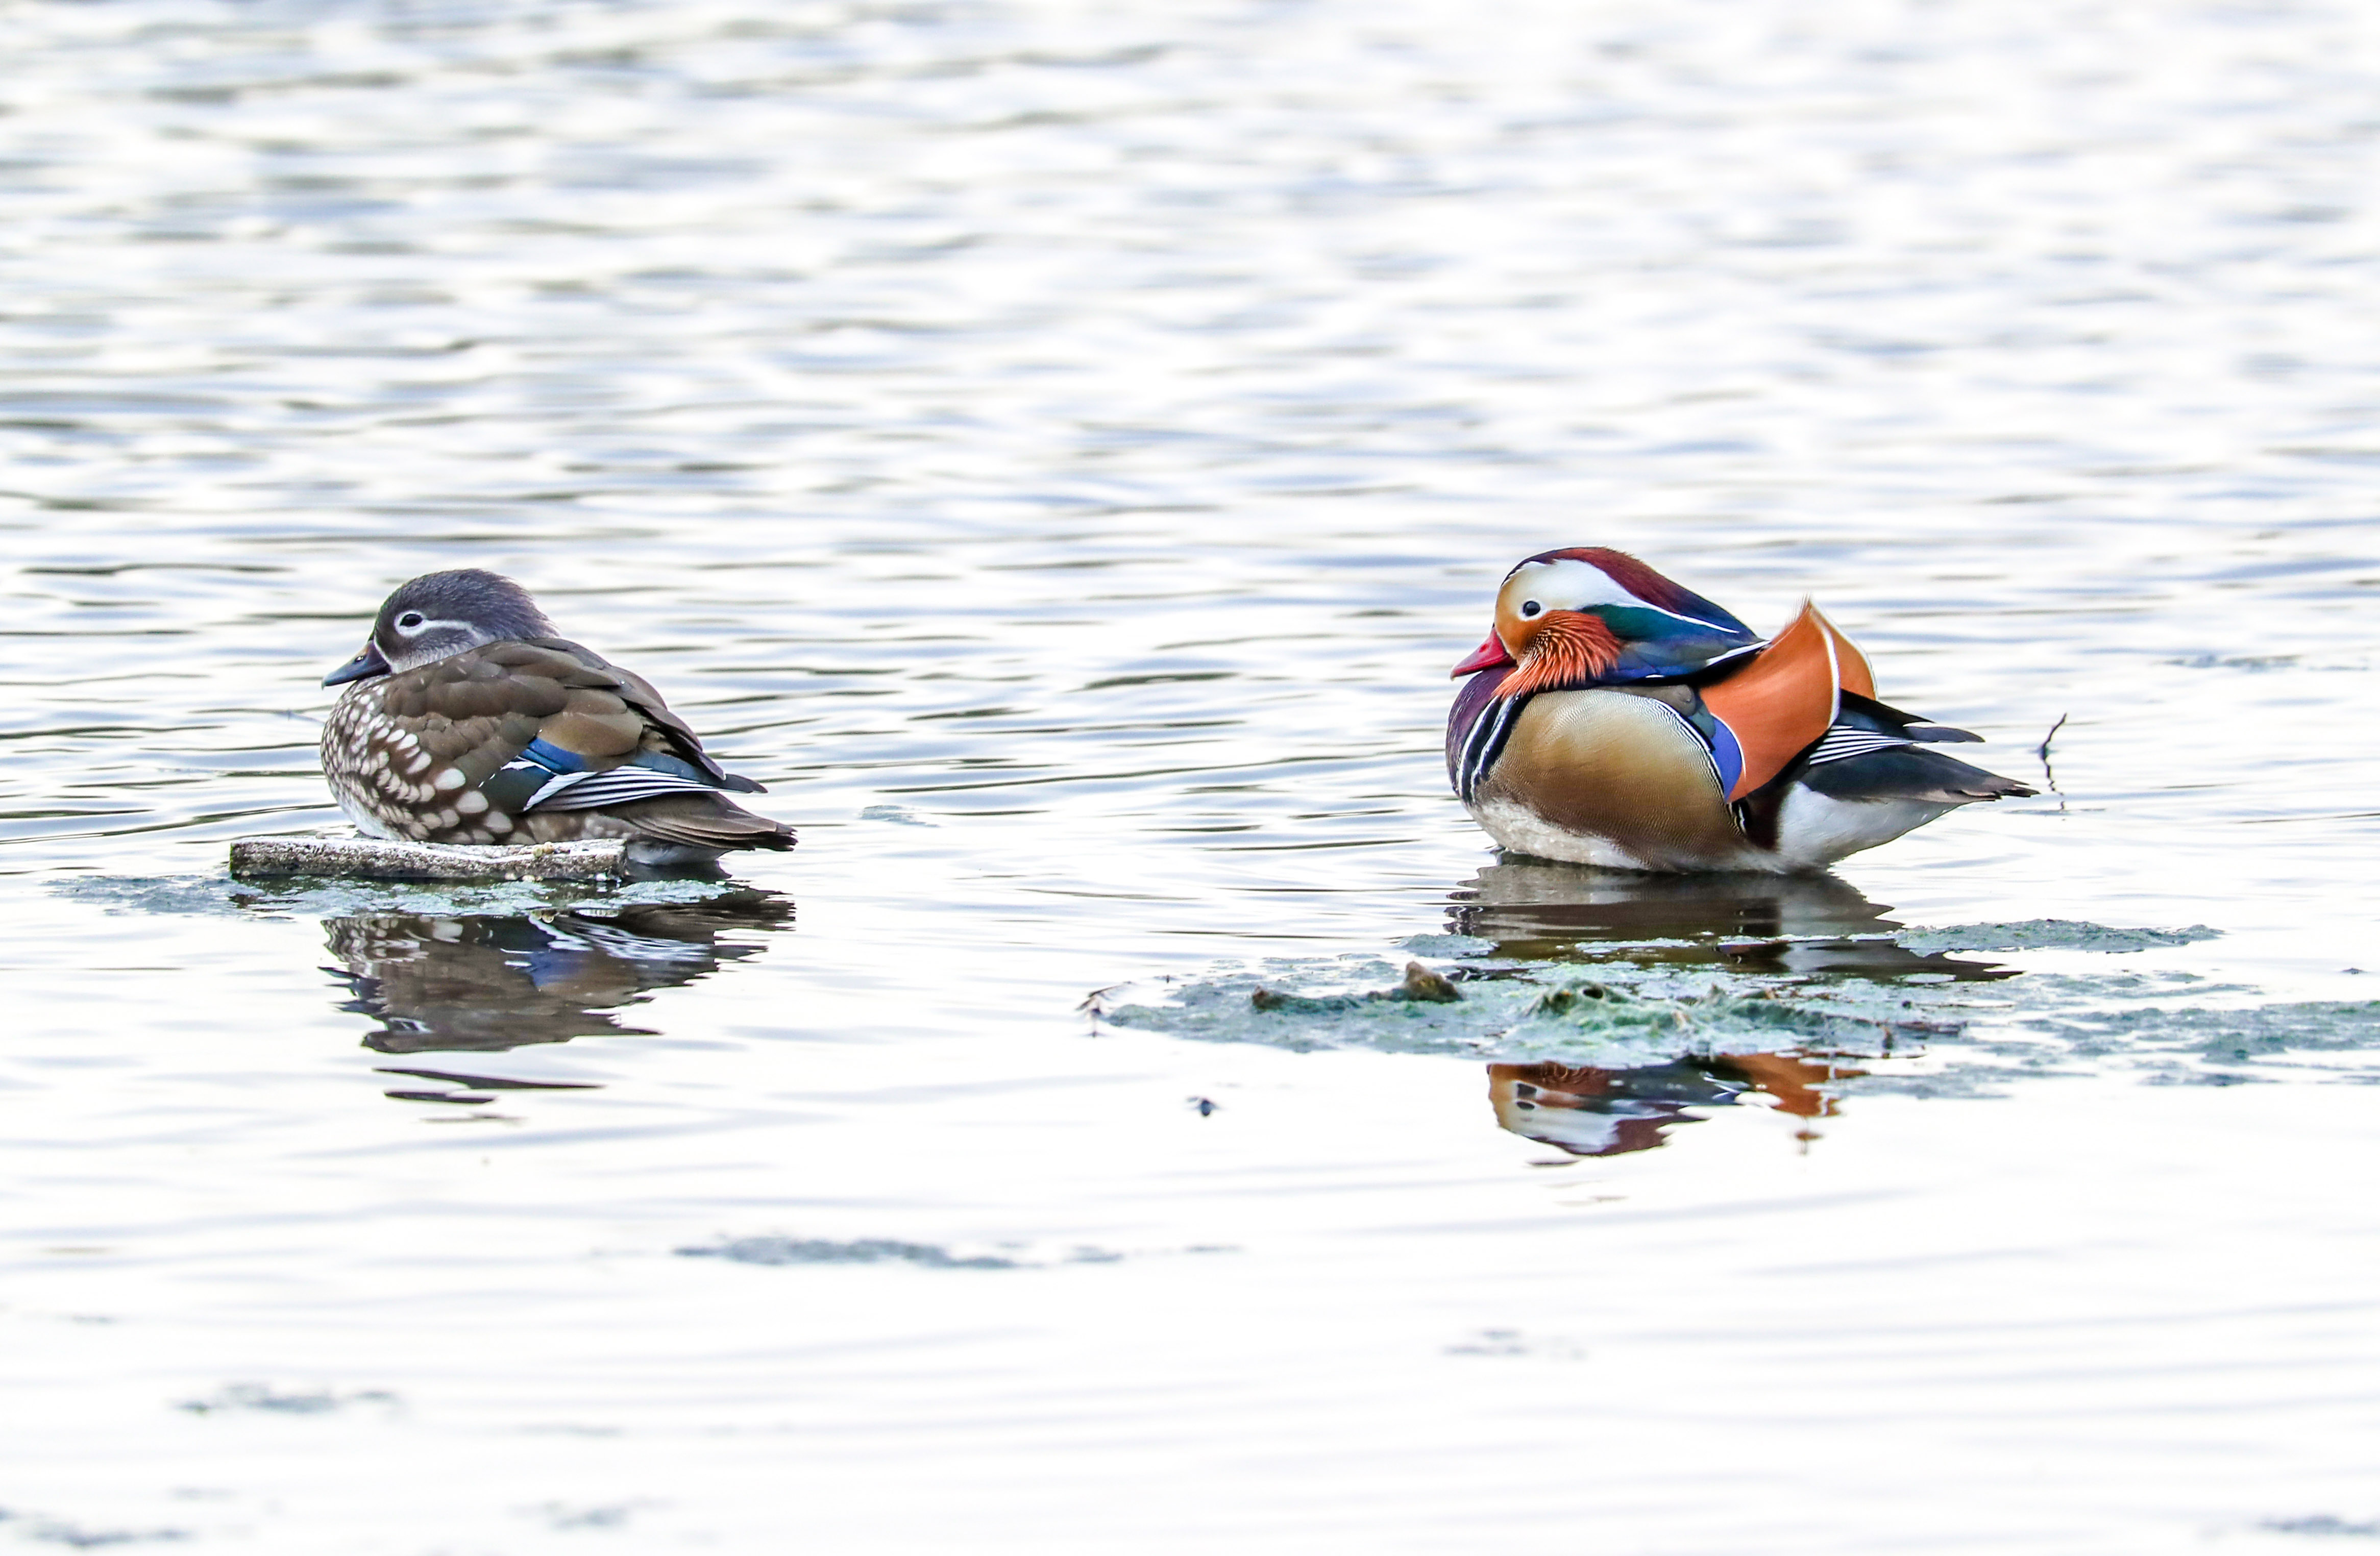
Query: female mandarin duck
point(1614, 718)
point(468, 719)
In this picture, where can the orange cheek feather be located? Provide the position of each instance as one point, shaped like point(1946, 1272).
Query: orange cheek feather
point(1571, 649)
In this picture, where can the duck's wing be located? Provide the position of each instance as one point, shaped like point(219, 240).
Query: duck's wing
point(660, 729)
point(1781, 701)
point(1906, 771)
point(598, 741)
point(1874, 752)
point(1910, 727)
point(521, 728)
point(456, 723)
point(1807, 703)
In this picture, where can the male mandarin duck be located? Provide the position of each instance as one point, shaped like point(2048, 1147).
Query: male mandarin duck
point(1614, 718)
point(468, 719)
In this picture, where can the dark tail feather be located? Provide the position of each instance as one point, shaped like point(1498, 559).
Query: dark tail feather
point(1911, 772)
point(704, 821)
point(1866, 712)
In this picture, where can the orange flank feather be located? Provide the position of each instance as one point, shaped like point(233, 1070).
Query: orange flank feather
point(1786, 697)
point(1569, 648)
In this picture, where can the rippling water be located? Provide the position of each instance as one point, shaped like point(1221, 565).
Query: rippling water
point(1061, 450)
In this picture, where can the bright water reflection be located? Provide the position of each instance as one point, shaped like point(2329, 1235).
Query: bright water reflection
point(1061, 450)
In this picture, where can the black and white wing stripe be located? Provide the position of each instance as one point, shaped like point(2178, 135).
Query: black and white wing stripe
point(1845, 741)
point(618, 786)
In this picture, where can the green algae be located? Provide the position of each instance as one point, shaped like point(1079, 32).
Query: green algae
point(1548, 1012)
point(2051, 934)
point(2167, 1026)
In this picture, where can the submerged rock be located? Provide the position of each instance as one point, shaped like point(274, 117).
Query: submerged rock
point(1421, 986)
point(1425, 985)
point(375, 858)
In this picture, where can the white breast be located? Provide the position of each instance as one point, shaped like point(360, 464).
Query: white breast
point(1515, 826)
point(1815, 830)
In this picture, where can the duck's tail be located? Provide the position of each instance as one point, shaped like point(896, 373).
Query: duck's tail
point(710, 821)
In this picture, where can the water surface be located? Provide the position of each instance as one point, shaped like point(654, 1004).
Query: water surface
point(1059, 450)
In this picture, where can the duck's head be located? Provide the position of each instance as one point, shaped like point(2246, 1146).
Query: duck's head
point(1589, 615)
point(442, 613)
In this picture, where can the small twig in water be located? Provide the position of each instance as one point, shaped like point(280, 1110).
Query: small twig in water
point(2049, 773)
point(1095, 1004)
point(2043, 749)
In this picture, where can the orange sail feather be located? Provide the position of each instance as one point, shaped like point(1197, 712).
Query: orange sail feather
point(1783, 701)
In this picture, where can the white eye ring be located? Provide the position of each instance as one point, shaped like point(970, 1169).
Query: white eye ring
point(1530, 607)
point(410, 622)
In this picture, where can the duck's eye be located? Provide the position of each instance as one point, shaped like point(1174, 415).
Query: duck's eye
point(1531, 608)
point(410, 622)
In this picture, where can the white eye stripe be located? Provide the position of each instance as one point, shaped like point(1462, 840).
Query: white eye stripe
point(1568, 585)
point(1576, 586)
point(420, 627)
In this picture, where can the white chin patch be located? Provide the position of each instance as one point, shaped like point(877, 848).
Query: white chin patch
point(1815, 830)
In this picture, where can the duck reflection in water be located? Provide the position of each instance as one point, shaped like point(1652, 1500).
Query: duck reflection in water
point(1543, 911)
point(1610, 1112)
point(473, 983)
point(1805, 924)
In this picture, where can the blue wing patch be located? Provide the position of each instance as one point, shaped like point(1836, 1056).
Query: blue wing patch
point(1726, 754)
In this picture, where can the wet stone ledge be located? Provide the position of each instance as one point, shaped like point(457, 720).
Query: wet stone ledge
point(372, 858)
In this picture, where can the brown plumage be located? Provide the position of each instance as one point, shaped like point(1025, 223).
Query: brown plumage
point(437, 744)
point(1621, 765)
